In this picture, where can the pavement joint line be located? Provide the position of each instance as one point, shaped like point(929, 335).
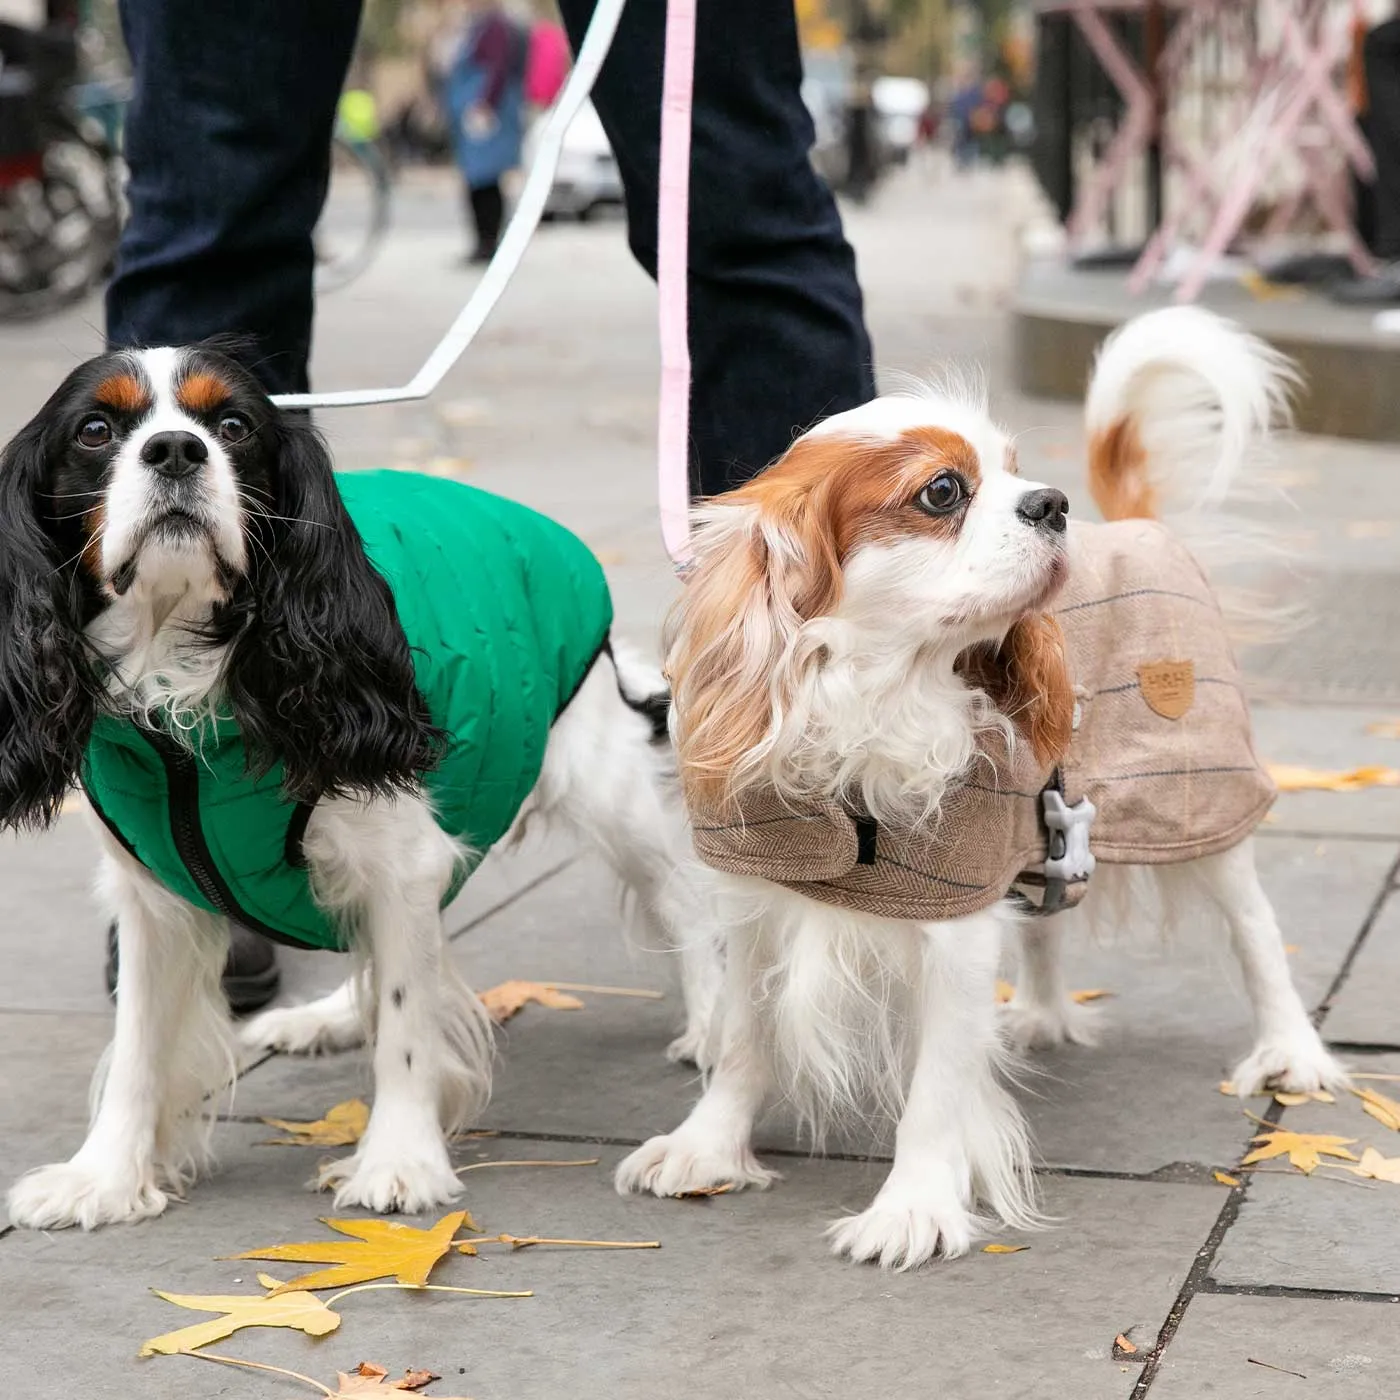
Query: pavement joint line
point(526, 888)
point(1344, 971)
point(1286, 1290)
point(1198, 1275)
point(1172, 1174)
point(1364, 1047)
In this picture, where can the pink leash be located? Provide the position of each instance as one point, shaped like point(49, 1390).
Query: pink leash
point(672, 276)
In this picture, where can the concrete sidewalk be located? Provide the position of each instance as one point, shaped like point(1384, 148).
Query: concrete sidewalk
point(1222, 1291)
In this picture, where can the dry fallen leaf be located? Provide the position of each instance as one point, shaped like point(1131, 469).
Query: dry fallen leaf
point(1304, 1150)
point(277, 1308)
point(1383, 1109)
point(342, 1126)
point(701, 1192)
point(1122, 1344)
point(1005, 992)
point(369, 1378)
point(376, 1249)
point(1004, 1248)
point(1378, 1168)
point(1291, 1100)
point(1385, 729)
point(504, 1001)
point(1291, 778)
point(1225, 1179)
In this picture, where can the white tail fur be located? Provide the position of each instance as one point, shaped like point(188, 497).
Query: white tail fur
point(1180, 403)
point(1180, 412)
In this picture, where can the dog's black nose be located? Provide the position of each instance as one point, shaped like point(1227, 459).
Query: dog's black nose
point(1046, 509)
point(174, 454)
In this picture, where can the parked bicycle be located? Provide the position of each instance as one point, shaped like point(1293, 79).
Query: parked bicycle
point(60, 179)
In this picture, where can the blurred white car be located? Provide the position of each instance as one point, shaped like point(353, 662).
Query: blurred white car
point(587, 178)
point(899, 103)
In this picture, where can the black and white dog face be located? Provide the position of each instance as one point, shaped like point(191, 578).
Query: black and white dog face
point(171, 541)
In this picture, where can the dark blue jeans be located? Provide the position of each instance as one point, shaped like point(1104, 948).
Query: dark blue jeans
point(228, 143)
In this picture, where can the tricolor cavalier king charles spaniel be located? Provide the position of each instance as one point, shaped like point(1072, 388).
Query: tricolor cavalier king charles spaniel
point(821, 654)
point(173, 548)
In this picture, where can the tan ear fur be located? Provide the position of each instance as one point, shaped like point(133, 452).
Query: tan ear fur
point(1028, 680)
point(765, 562)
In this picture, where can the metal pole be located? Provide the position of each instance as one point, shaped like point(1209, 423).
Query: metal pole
point(1154, 38)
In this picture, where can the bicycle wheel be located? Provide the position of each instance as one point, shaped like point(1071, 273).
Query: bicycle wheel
point(59, 229)
point(356, 214)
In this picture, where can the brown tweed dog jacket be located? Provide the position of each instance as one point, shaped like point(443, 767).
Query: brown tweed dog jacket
point(1161, 748)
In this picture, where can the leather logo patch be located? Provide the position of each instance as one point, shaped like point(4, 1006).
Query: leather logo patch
point(1169, 687)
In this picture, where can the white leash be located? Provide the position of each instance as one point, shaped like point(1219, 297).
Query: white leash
point(520, 230)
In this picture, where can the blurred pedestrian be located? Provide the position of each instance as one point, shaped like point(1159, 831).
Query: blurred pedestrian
point(485, 101)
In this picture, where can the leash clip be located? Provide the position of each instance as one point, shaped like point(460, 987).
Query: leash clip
point(1068, 859)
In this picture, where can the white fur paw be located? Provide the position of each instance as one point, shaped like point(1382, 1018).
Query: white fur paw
point(1046, 1027)
point(72, 1193)
point(692, 1048)
point(300, 1030)
point(902, 1229)
point(1298, 1063)
point(675, 1164)
point(384, 1183)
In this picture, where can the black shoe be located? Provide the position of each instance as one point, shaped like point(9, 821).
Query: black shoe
point(1381, 290)
point(251, 975)
point(480, 255)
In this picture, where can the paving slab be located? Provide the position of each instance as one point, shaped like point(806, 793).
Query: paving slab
point(1367, 1010)
point(741, 1300)
point(1176, 1025)
point(1333, 1350)
point(52, 938)
point(1330, 1230)
point(46, 1066)
point(1329, 737)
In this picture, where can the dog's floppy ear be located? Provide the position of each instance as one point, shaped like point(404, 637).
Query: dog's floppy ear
point(1027, 678)
point(765, 563)
point(48, 689)
point(320, 676)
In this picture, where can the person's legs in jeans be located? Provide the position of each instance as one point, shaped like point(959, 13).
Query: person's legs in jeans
point(228, 143)
point(777, 335)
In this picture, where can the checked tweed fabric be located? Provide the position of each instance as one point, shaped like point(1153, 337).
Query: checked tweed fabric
point(1161, 747)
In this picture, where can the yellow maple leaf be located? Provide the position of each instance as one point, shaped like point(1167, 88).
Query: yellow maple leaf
point(343, 1125)
point(508, 998)
point(1290, 777)
point(1378, 1168)
point(376, 1249)
point(1225, 1179)
point(1304, 1150)
point(278, 1308)
point(1382, 1108)
point(1004, 1248)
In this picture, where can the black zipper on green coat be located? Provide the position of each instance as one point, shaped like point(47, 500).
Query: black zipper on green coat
point(187, 832)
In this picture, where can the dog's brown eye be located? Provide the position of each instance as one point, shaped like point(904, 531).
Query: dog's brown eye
point(233, 427)
point(96, 432)
point(944, 494)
